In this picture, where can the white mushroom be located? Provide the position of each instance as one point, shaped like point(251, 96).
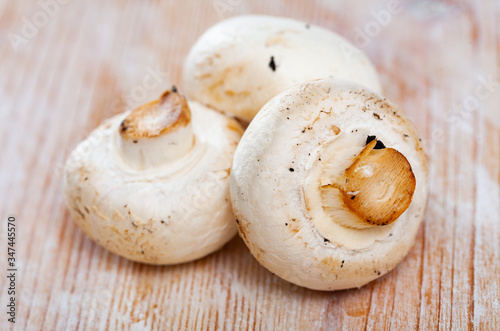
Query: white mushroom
point(328, 185)
point(241, 63)
point(152, 184)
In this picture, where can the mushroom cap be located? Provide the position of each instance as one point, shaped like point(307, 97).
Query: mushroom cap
point(306, 131)
point(168, 214)
point(240, 63)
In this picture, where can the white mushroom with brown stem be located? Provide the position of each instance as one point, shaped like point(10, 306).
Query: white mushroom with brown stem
point(152, 184)
point(239, 64)
point(329, 185)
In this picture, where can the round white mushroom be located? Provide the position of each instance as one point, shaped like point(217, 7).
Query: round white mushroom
point(152, 184)
point(329, 185)
point(241, 63)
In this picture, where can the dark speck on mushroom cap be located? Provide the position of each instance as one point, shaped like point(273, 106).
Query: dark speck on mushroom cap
point(272, 64)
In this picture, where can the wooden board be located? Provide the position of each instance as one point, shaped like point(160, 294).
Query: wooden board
point(83, 61)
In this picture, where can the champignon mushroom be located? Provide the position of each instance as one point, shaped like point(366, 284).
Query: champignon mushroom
point(241, 63)
point(329, 185)
point(152, 184)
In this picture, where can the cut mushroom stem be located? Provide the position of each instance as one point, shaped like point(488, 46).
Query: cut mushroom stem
point(146, 131)
point(376, 189)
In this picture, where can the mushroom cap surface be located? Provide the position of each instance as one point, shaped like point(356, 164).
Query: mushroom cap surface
point(240, 63)
point(171, 213)
point(279, 168)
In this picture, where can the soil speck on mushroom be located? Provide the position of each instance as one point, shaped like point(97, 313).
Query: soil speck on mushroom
point(272, 65)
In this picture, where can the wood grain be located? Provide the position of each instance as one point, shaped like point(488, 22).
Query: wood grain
point(89, 61)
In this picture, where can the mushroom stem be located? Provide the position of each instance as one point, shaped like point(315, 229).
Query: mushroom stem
point(157, 133)
point(376, 189)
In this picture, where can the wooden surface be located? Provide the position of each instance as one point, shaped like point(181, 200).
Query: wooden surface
point(90, 59)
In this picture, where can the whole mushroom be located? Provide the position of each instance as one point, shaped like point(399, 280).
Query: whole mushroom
point(329, 185)
point(239, 64)
point(152, 184)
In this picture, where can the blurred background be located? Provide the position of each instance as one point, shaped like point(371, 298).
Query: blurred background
point(66, 65)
